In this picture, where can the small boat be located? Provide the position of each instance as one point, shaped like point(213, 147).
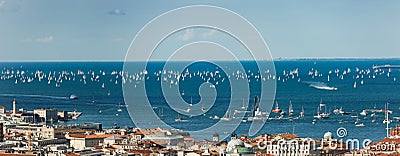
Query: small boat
point(215, 117)
point(203, 109)
point(364, 113)
point(73, 97)
point(119, 107)
point(179, 119)
point(276, 110)
point(360, 125)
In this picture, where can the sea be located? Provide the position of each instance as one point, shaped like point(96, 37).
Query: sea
point(351, 84)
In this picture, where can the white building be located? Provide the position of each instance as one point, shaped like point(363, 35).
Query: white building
point(48, 114)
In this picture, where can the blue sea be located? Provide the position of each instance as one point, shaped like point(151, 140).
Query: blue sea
point(303, 82)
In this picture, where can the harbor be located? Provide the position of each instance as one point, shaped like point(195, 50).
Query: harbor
point(305, 105)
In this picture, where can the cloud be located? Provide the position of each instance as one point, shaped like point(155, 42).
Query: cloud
point(45, 39)
point(209, 33)
point(187, 35)
point(2, 3)
point(117, 12)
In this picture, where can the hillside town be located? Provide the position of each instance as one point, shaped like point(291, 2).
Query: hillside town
point(25, 133)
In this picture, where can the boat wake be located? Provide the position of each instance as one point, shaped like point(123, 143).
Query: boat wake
point(320, 85)
point(35, 96)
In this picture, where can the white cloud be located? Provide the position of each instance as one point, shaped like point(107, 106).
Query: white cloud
point(117, 12)
point(2, 3)
point(44, 39)
point(209, 33)
point(187, 35)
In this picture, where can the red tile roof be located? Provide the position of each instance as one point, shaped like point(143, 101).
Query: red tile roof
point(289, 136)
point(188, 139)
point(93, 136)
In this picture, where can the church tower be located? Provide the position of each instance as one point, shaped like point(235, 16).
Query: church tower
point(14, 107)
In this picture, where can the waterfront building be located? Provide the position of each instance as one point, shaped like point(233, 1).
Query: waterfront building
point(47, 114)
point(2, 110)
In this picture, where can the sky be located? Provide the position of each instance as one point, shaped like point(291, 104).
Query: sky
point(98, 30)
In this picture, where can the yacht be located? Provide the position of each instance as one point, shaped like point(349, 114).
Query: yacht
point(73, 97)
point(276, 110)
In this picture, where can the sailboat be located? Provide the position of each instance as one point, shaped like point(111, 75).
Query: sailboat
point(291, 112)
point(358, 124)
point(243, 106)
point(302, 112)
point(161, 113)
point(257, 114)
point(227, 117)
point(323, 115)
point(318, 116)
point(355, 84)
point(119, 107)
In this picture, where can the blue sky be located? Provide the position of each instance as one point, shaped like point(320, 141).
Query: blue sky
point(99, 30)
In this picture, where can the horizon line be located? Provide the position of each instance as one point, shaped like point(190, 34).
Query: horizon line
point(159, 60)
